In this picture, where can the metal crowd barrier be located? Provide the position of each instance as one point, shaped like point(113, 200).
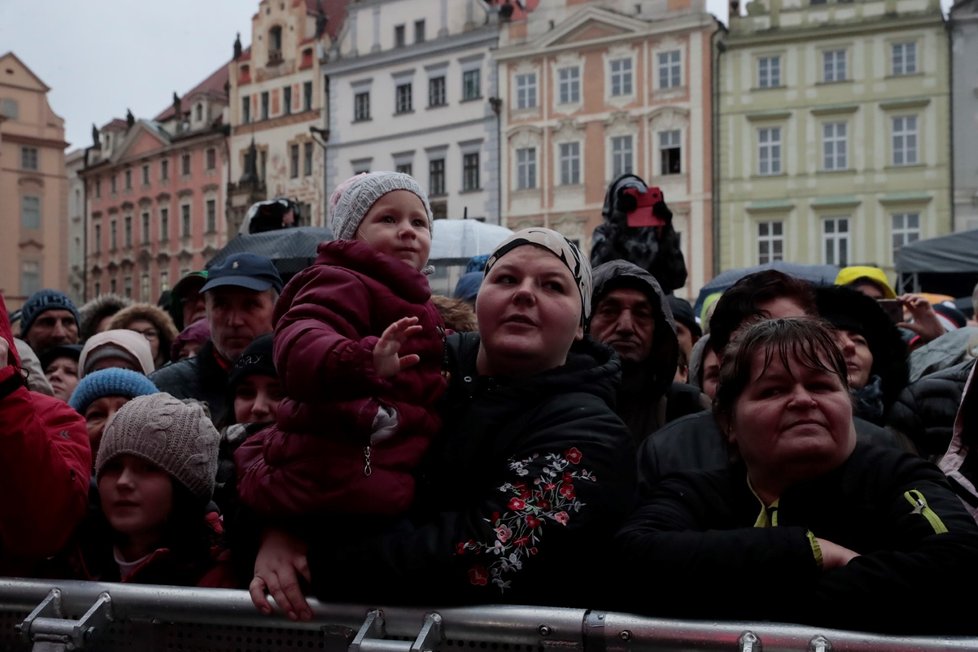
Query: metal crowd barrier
point(72, 615)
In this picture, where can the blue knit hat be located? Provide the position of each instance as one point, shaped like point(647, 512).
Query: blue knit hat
point(42, 301)
point(109, 382)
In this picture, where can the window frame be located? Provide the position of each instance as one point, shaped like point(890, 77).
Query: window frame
point(526, 168)
point(569, 163)
point(831, 160)
point(769, 71)
point(471, 168)
point(772, 147)
point(909, 140)
point(569, 85)
point(622, 150)
point(471, 90)
point(769, 241)
point(669, 69)
point(835, 240)
point(665, 151)
point(403, 98)
point(621, 81)
point(526, 90)
point(437, 91)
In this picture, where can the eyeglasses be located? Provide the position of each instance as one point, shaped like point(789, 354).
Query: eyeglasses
point(149, 333)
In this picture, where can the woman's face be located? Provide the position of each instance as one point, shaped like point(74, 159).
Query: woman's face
point(62, 373)
point(791, 423)
point(137, 497)
point(150, 332)
point(256, 399)
point(859, 359)
point(529, 313)
point(711, 373)
point(97, 414)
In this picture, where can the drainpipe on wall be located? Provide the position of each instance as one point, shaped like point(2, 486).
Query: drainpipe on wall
point(718, 48)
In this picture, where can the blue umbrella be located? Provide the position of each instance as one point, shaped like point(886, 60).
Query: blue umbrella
point(819, 274)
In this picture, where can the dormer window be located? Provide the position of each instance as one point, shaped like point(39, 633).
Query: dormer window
point(199, 112)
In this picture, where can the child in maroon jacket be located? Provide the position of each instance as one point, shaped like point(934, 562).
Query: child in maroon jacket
point(358, 347)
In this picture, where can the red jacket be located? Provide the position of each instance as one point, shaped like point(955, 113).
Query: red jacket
point(45, 461)
point(328, 321)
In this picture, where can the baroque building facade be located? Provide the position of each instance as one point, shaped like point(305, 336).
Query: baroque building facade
point(276, 98)
point(833, 140)
point(963, 23)
point(155, 194)
point(592, 90)
point(33, 186)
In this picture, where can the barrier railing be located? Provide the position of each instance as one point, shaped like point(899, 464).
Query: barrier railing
point(72, 615)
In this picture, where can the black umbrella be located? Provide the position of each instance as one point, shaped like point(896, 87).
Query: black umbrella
point(818, 274)
point(290, 249)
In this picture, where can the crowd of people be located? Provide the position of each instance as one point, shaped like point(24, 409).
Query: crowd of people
point(795, 453)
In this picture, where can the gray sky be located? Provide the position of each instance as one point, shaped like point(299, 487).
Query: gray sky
point(101, 57)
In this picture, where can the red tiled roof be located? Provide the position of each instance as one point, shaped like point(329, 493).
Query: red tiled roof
point(213, 85)
point(115, 123)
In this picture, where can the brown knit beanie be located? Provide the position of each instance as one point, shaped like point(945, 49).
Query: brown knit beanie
point(163, 430)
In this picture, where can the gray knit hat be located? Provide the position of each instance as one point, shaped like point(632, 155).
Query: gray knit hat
point(352, 199)
point(163, 430)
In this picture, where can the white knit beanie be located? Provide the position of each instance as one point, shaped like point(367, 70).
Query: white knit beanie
point(353, 198)
point(165, 431)
point(117, 343)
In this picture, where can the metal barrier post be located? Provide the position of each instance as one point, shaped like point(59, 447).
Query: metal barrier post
point(370, 638)
point(48, 629)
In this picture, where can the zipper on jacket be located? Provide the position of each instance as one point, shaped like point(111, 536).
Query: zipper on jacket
point(920, 506)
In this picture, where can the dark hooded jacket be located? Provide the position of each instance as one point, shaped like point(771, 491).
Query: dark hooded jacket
point(653, 248)
point(518, 498)
point(648, 398)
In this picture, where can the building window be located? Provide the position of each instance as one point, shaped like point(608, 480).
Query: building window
point(164, 170)
point(274, 40)
point(621, 77)
point(112, 285)
point(98, 237)
point(906, 229)
point(670, 152)
point(307, 96)
point(526, 168)
point(164, 281)
point(30, 212)
point(526, 90)
point(569, 85)
point(471, 84)
point(470, 171)
point(835, 148)
point(245, 109)
point(307, 159)
point(144, 287)
point(405, 168)
point(164, 224)
point(569, 158)
point(770, 242)
point(905, 140)
point(264, 105)
point(145, 224)
point(185, 165)
point(287, 100)
point(436, 176)
point(127, 175)
point(127, 231)
point(769, 72)
point(294, 161)
point(361, 106)
point(211, 210)
point(211, 158)
point(670, 69)
point(436, 91)
point(30, 277)
point(834, 65)
point(769, 150)
point(835, 239)
point(127, 286)
point(621, 156)
point(113, 235)
point(199, 112)
point(112, 184)
point(8, 108)
point(28, 158)
point(185, 220)
point(904, 58)
point(399, 36)
point(98, 188)
point(403, 93)
point(146, 174)
point(419, 31)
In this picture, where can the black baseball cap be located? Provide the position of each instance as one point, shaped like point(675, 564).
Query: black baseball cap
point(246, 270)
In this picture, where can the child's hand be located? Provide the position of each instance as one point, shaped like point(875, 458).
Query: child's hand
point(387, 362)
point(923, 318)
point(281, 561)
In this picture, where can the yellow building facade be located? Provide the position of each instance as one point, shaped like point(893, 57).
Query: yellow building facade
point(833, 131)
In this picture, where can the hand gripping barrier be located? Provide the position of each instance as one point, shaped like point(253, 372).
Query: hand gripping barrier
point(60, 615)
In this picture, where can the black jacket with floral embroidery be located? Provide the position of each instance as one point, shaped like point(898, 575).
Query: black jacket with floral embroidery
point(519, 498)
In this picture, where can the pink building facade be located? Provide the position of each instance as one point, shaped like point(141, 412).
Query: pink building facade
point(155, 192)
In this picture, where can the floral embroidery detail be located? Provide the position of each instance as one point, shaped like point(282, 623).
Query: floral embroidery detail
point(549, 497)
